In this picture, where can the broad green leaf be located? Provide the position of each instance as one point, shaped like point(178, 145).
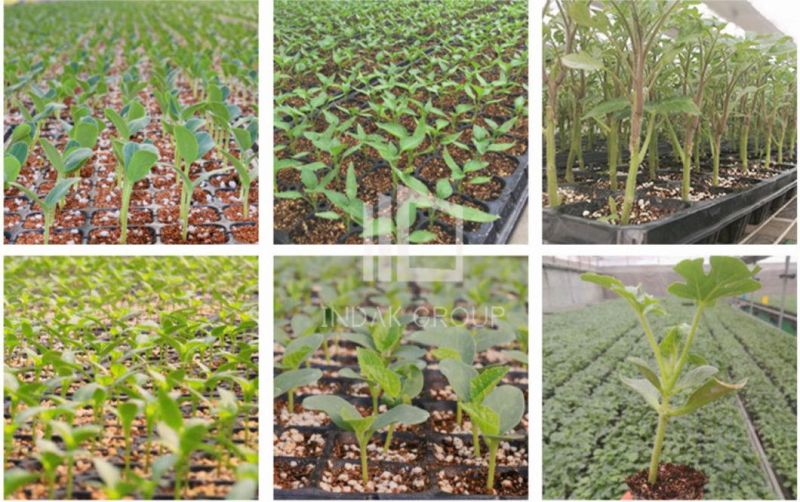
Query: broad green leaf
point(508, 402)
point(640, 301)
point(645, 389)
point(243, 138)
point(711, 391)
point(107, 472)
point(374, 370)
point(11, 168)
point(474, 165)
point(332, 406)
point(127, 412)
point(119, 123)
point(581, 61)
point(695, 376)
point(401, 414)
point(328, 215)
point(53, 155)
point(377, 227)
point(186, 144)
point(443, 188)
point(289, 380)
point(450, 337)
point(465, 213)
point(459, 375)
point(140, 164)
point(412, 142)
point(85, 134)
point(394, 129)
point(421, 237)
point(19, 151)
point(729, 276)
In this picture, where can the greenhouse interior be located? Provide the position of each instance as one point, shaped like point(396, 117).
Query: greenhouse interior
point(668, 122)
point(607, 319)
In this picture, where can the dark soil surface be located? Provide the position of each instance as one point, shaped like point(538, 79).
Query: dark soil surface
point(675, 482)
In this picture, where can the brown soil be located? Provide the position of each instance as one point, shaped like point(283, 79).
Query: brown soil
point(234, 213)
point(318, 231)
point(473, 482)
point(197, 215)
point(399, 450)
point(483, 191)
point(245, 233)
point(289, 212)
point(56, 237)
point(292, 475)
point(201, 234)
point(499, 164)
point(136, 235)
point(64, 219)
point(675, 482)
point(346, 478)
point(109, 217)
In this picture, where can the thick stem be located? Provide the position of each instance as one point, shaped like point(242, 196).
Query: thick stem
point(550, 148)
point(574, 146)
point(660, 433)
point(653, 156)
point(637, 112)
point(48, 222)
point(492, 463)
point(458, 413)
point(70, 480)
point(743, 147)
point(374, 394)
point(364, 471)
point(716, 154)
point(687, 176)
point(613, 153)
point(476, 444)
point(123, 213)
point(127, 451)
point(291, 400)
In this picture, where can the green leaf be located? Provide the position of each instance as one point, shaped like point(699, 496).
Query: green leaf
point(75, 159)
point(327, 215)
point(14, 479)
point(465, 213)
point(19, 151)
point(487, 420)
point(85, 134)
point(289, 380)
point(243, 489)
point(52, 155)
point(485, 382)
point(291, 194)
point(474, 165)
point(332, 406)
point(681, 104)
point(640, 301)
point(450, 337)
point(378, 226)
point(170, 412)
point(58, 192)
point(607, 107)
point(11, 168)
point(646, 371)
point(645, 389)
point(729, 276)
point(581, 61)
point(394, 129)
point(401, 414)
point(351, 185)
point(421, 237)
point(140, 164)
point(443, 188)
point(412, 142)
point(119, 123)
point(459, 375)
point(695, 377)
point(508, 402)
point(127, 412)
point(374, 370)
point(186, 144)
point(107, 472)
point(712, 390)
point(243, 138)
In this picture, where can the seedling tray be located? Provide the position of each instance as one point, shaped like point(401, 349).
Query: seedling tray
point(716, 221)
point(223, 229)
point(422, 437)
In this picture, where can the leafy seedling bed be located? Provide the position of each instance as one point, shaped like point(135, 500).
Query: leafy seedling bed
point(110, 397)
point(151, 149)
point(386, 405)
point(422, 144)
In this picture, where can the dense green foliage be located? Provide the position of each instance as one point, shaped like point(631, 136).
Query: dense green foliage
point(157, 356)
point(595, 435)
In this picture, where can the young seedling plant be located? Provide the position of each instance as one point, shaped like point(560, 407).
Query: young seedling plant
point(50, 202)
point(347, 417)
point(680, 373)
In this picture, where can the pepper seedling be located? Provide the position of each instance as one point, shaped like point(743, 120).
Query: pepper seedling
point(137, 159)
point(347, 417)
point(728, 276)
point(126, 412)
point(50, 202)
point(497, 415)
point(247, 174)
point(72, 438)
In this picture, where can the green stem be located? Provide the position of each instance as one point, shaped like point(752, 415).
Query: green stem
point(685, 353)
point(362, 445)
point(388, 442)
point(492, 463)
point(743, 148)
point(458, 413)
point(123, 213)
point(476, 444)
point(660, 433)
point(374, 393)
point(613, 153)
point(291, 400)
point(550, 148)
point(127, 451)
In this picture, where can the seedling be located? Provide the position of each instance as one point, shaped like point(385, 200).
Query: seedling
point(347, 417)
point(728, 276)
point(50, 202)
point(243, 164)
point(126, 412)
point(471, 387)
point(137, 159)
point(296, 352)
point(496, 417)
point(67, 162)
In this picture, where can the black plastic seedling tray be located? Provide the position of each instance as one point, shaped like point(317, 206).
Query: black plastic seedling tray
point(716, 221)
point(153, 228)
point(423, 438)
